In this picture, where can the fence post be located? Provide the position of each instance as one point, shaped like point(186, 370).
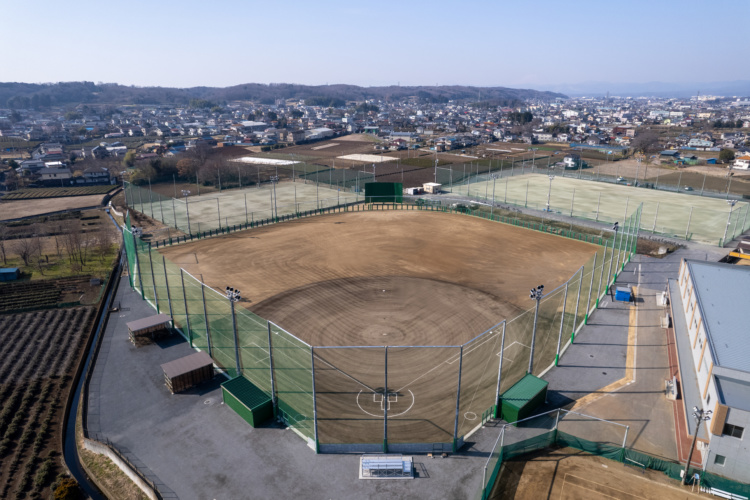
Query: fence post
point(625, 439)
point(385, 405)
point(572, 201)
point(187, 316)
point(270, 364)
point(205, 316)
point(218, 211)
point(138, 265)
point(246, 220)
point(591, 289)
point(174, 214)
point(597, 206)
point(458, 398)
point(499, 373)
point(236, 340)
point(153, 278)
point(557, 421)
point(315, 401)
point(166, 282)
point(653, 229)
point(562, 321)
point(578, 301)
point(687, 229)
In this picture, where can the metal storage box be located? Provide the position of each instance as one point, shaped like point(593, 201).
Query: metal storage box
point(523, 398)
point(250, 403)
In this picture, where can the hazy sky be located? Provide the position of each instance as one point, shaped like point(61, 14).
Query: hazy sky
point(533, 44)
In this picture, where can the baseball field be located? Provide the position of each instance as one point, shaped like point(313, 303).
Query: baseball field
point(422, 283)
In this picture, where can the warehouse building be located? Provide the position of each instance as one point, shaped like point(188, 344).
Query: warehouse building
point(712, 327)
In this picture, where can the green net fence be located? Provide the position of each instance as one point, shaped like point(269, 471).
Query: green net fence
point(373, 396)
point(292, 376)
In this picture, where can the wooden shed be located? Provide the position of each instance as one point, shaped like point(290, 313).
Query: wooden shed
point(184, 373)
point(148, 327)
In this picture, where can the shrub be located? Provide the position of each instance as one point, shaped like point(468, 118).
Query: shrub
point(68, 489)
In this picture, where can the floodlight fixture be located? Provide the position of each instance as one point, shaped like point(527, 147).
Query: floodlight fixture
point(536, 295)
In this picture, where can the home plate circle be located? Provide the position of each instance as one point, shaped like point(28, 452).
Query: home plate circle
point(373, 403)
point(470, 415)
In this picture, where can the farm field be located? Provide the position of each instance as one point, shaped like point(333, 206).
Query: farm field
point(55, 192)
point(38, 354)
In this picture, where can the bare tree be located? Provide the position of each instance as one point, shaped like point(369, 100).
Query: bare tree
point(646, 142)
point(26, 248)
point(103, 240)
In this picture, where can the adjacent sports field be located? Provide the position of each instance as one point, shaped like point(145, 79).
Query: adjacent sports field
point(395, 278)
point(570, 474)
point(698, 218)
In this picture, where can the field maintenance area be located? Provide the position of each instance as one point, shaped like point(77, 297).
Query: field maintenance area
point(422, 283)
point(569, 474)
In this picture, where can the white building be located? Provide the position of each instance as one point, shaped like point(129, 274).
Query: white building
point(713, 299)
point(742, 163)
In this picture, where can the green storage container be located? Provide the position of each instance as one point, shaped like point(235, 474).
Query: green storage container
point(250, 403)
point(523, 398)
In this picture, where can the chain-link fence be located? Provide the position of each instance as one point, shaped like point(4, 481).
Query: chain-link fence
point(373, 398)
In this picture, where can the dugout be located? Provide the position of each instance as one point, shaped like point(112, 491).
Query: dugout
point(249, 402)
point(148, 327)
point(384, 192)
point(523, 398)
point(186, 372)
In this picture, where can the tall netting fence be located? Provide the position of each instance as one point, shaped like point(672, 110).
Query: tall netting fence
point(351, 406)
point(293, 381)
point(397, 398)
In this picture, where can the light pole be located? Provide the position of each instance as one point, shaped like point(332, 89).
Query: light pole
point(700, 416)
point(274, 180)
point(731, 203)
point(185, 193)
point(612, 257)
point(234, 296)
point(536, 295)
point(549, 193)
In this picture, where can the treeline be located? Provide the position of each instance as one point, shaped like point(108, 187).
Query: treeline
point(28, 95)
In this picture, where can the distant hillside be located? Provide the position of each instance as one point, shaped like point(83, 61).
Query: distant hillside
point(25, 95)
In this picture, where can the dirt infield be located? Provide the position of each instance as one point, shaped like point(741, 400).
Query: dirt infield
point(395, 278)
point(570, 474)
point(288, 274)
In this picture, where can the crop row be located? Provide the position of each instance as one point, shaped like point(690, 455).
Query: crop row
point(38, 346)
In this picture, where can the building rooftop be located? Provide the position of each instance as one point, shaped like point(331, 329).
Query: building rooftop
point(733, 392)
point(721, 291)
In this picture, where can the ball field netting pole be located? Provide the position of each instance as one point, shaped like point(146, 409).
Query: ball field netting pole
point(562, 323)
point(499, 374)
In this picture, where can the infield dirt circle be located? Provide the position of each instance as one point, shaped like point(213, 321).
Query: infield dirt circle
point(391, 278)
point(385, 277)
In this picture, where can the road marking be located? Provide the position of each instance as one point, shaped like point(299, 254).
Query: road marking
point(630, 361)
